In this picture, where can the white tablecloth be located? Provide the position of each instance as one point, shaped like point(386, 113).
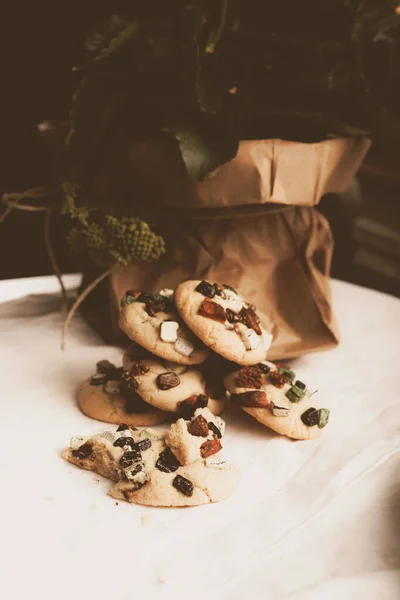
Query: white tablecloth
point(311, 520)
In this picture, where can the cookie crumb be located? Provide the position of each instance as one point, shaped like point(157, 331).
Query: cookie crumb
point(160, 580)
point(50, 499)
point(116, 503)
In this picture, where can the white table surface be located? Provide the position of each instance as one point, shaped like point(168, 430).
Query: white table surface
point(310, 521)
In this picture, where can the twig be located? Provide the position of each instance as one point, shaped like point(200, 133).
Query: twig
point(52, 258)
point(215, 36)
point(5, 214)
point(78, 302)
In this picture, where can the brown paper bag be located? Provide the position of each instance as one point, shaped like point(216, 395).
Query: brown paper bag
point(251, 225)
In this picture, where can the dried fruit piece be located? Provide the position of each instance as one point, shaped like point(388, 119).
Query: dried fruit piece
point(295, 393)
point(198, 427)
point(300, 385)
point(166, 381)
point(124, 441)
point(206, 288)
point(210, 447)
point(83, 451)
point(128, 458)
point(139, 368)
point(254, 399)
point(288, 372)
point(167, 461)
point(250, 319)
point(310, 417)
point(323, 417)
point(249, 377)
point(129, 297)
point(212, 427)
point(232, 316)
point(183, 485)
point(277, 379)
point(212, 310)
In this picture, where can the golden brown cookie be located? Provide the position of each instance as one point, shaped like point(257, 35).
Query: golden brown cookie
point(223, 321)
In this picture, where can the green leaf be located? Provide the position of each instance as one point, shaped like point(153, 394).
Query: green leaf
point(205, 146)
point(109, 37)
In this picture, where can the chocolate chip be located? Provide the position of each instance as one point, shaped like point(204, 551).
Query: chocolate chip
point(143, 444)
point(83, 451)
point(265, 369)
point(104, 367)
point(201, 401)
point(232, 316)
point(166, 381)
point(206, 288)
point(254, 399)
point(310, 417)
point(155, 303)
point(136, 469)
point(128, 458)
point(136, 485)
point(219, 290)
point(98, 379)
point(250, 319)
point(167, 462)
point(124, 441)
point(187, 407)
point(122, 427)
point(212, 427)
point(129, 382)
point(210, 447)
point(198, 427)
point(183, 485)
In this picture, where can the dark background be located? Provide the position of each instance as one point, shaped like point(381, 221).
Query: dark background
point(41, 42)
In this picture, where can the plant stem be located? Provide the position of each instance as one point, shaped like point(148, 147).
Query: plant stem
point(52, 259)
point(216, 35)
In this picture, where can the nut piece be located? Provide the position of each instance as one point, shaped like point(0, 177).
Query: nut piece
point(169, 331)
point(166, 381)
point(199, 427)
point(210, 447)
point(277, 379)
point(254, 399)
point(250, 319)
point(139, 368)
point(250, 377)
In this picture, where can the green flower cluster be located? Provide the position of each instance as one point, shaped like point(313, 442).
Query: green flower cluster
point(109, 240)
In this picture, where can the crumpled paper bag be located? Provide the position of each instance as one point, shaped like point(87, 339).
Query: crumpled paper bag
point(252, 224)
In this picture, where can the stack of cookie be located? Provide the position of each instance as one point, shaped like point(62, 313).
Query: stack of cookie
point(189, 347)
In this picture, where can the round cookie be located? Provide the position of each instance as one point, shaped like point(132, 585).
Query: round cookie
point(190, 382)
point(223, 321)
point(289, 422)
point(97, 404)
point(147, 322)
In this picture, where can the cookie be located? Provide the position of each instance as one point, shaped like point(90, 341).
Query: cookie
point(152, 321)
point(171, 387)
point(278, 400)
point(105, 397)
point(146, 472)
point(223, 321)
